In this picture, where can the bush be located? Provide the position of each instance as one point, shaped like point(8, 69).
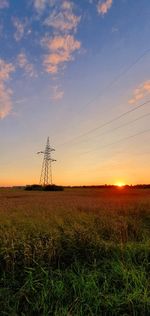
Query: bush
point(50, 187)
point(33, 187)
point(53, 187)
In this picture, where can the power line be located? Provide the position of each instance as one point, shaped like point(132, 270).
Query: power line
point(137, 154)
point(126, 124)
point(105, 124)
point(120, 140)
point(116, 78)
point(123, 125)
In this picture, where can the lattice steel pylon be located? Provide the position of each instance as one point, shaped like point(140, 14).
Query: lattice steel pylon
point(46, 172)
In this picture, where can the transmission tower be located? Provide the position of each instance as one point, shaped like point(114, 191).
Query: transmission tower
point(46, 172)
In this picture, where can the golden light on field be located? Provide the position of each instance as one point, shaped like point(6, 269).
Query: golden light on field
point(120, 184)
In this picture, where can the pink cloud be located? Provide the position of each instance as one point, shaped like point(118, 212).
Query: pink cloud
point(63, 19)
point(104, 6)
point(39, 5)
point(5, 93)
point(61, 49)
point(24, 64)
point(67, 5)
point(65, 43)
point(5, 70)
point(4, 4)
point(140, 92)
point(5, 100)
point(62, 45)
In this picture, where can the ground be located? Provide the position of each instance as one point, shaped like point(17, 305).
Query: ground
point(76, 252)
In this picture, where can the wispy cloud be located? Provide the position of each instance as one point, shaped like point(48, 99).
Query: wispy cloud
point(61, 49)
point(39, 5)
point(115, 29)
point(23, 63)
point(57, 93)
point(5, 93)
point(20, 101)
point(104, 6)
point(62, 18)
point(19, 28)
point(140, 92)
point(4, 4)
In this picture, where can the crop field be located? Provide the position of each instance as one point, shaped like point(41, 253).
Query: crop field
point(76, 252)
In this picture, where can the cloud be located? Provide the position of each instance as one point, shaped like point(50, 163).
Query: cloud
point(61, 22)
point(104, 6)
point(5, 70)
point(63, 19)
point(57, 93)
point(4, 4)
point(61, 49)
point(115, 29)
point(39, 5)
point(5, 93)
point(24, 64)
point(67, 5)
point(20, 27)
point(5, 100)
point(140, 92)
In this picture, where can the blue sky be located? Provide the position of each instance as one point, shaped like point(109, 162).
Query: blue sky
point(67, 67)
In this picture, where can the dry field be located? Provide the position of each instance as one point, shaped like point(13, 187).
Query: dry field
point(76, 252)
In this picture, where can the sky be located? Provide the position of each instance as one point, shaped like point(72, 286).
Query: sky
point(79, 72)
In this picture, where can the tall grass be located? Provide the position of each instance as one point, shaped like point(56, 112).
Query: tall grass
point(75, 253)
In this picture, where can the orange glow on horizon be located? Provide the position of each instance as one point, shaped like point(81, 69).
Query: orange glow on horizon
point(120, 184)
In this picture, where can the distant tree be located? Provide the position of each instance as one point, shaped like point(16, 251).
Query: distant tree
point(50, 187)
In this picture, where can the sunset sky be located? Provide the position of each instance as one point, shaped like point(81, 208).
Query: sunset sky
point(67, 69)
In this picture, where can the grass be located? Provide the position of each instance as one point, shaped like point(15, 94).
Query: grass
point(77, 252)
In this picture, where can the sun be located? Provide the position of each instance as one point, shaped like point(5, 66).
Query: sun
point(120, 184)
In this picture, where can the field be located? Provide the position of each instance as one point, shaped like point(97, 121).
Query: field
point(77, 252)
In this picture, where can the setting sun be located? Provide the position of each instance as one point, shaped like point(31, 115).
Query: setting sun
point(120, 184)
